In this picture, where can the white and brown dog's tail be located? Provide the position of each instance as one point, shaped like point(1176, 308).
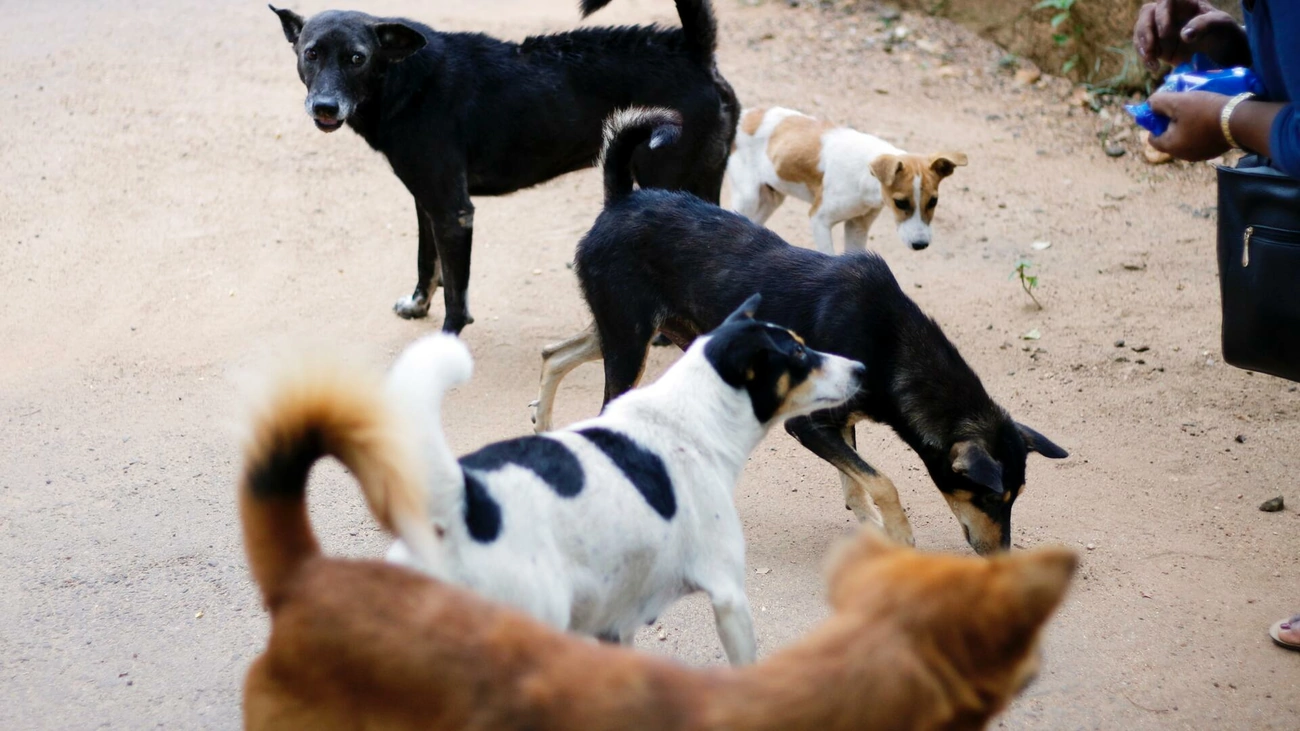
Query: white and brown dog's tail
point(624, 133)
point(417, 383)
point(317, 409)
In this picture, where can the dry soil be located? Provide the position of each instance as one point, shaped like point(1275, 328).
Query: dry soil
point(170, 220)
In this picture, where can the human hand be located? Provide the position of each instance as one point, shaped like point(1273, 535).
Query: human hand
point(1194, 132)
point(1172, 30)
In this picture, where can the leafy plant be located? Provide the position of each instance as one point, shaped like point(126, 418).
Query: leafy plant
point(1028, 282)
point(1064, 16)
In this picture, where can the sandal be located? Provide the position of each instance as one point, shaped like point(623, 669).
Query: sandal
point(1286, 624)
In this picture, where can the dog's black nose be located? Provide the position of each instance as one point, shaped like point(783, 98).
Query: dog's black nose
point(918, 245)
point(325, 109)
point(859, 372)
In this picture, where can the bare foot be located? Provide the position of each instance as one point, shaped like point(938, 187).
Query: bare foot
point(1286, 633)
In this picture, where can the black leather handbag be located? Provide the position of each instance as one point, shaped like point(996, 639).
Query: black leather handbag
point(1259, 268)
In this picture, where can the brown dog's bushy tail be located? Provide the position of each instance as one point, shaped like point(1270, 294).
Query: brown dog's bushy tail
point(624, 133)
point(315, 409)
point(698, 25)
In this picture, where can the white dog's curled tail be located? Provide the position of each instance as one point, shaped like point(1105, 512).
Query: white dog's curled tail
point(417, 383)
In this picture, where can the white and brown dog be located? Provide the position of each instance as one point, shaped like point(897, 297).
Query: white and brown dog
point(846, 175)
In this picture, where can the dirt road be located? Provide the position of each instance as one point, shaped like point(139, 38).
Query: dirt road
point(169, 219)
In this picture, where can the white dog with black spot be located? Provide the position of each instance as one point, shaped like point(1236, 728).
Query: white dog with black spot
point(597, 528)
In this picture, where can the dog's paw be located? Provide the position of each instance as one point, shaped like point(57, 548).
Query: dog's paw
point(412, 307)
point(901, 533)
point(541, 423)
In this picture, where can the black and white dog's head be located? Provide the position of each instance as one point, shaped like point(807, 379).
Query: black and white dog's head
point(783, 377)
point(342, 55)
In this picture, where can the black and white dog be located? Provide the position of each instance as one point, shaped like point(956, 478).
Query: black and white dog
point(599, 527)
point(667, 261)
point(464, 114)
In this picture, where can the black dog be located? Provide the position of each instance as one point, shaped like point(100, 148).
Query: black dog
point(668, 261)
point(463, 114)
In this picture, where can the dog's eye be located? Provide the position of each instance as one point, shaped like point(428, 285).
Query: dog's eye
point(933, 202)
point(800, 353)
point(309, 54)
point(358, 59)
point(903, 203)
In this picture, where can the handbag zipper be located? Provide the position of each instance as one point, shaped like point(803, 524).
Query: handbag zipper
point(1245, 247)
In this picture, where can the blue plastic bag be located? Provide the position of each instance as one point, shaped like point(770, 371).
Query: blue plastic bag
point(1197, 75)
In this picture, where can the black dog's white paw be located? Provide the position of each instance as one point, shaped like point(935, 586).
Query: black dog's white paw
point(412, 307)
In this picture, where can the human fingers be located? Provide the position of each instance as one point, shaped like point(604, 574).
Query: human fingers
point(1207, 25)
point(1167, 27)
point(1144, 36)
point(1165, 103)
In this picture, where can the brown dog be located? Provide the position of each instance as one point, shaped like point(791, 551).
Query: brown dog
point(915, 641)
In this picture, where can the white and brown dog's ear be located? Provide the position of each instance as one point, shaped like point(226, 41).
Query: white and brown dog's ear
point(886, 168)
point(945, 163)
point(290, 21)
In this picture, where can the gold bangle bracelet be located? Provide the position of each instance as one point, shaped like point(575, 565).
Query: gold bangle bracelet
point(1226, 116)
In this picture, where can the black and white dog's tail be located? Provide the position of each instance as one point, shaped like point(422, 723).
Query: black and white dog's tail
point(416, 385)
point(698, 25)
point(624, 133)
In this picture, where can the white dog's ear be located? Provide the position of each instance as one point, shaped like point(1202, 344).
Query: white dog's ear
point(746, 310)
point(944, 163)
point(886, 168)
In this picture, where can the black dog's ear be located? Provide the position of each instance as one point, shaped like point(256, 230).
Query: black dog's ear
point(290, 21)
point(397, 41)
point(746, 310)
point(973, 461)
point(1038, 443)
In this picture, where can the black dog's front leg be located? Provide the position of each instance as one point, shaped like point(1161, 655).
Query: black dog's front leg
point(869, 494)
point(416, 304)
point(453, 230)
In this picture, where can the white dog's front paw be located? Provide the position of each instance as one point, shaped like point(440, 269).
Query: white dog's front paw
point(412, 307)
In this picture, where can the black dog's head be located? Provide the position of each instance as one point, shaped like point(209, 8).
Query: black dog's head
point(783, 377)
point(984, 473)
point(341, 56)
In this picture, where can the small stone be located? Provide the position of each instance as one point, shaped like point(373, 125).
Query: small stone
point(763, 571)
point(1151, 154)
point(1119, 343)
point(1272, 506)
point(1028, 75)
point(1114, 149)
point(1240, 439)
point(1091, 546)
point(1141, 348)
